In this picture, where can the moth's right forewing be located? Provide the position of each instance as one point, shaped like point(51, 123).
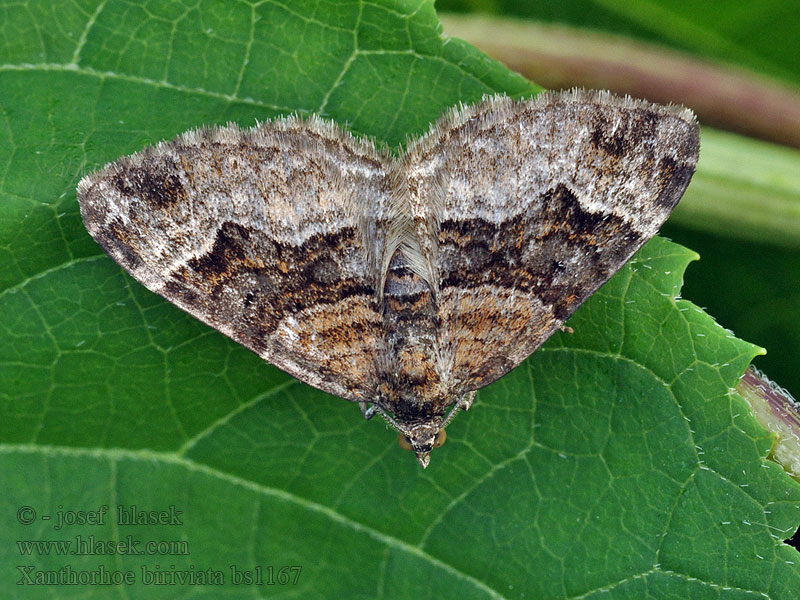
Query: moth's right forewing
point(538, 203)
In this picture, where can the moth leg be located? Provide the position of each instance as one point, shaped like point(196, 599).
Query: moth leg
point(466, 400)
point(462, 403)
point(566, 329)
point(367, 409)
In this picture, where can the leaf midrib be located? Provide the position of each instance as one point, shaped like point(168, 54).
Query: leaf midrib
point(148, 456)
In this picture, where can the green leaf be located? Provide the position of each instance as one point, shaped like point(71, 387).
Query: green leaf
point(616, 463)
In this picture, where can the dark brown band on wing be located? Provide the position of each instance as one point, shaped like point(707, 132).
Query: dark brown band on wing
point(270, 280)
point(636, 135)
point(537, 254)
point(156, 181)
point(620, 138)
point(673, 179)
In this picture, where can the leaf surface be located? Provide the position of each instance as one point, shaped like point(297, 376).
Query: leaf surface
point(615, 463)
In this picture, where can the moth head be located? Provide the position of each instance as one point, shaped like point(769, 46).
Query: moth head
point(423, 435)
point(421, 439)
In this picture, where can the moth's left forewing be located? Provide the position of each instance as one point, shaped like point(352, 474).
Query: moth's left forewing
point(274, 236)
point(538, 203)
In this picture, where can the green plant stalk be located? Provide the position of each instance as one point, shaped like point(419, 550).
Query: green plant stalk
point(779, 413)
point(744, 188)
point(558, 56)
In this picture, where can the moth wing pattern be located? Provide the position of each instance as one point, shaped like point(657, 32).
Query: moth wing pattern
point(536, 204)
point(270, 235)
point(406, 282)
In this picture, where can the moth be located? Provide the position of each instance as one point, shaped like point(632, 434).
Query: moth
point(408, 281)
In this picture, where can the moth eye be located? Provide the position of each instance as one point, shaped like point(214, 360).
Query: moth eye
point(440, 439)
point(404, 442)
